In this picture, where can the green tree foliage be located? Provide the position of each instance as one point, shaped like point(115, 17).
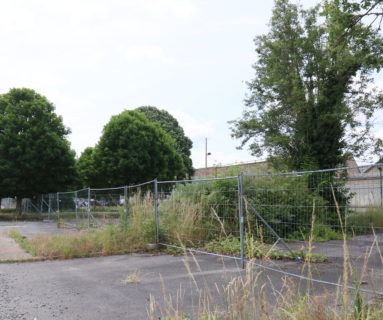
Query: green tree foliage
point(171, 126)
point(86, 168)
point(133, 150)
point(311, 100)
point(35, 156)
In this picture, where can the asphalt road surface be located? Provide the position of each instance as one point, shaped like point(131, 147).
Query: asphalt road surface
point(120, 287)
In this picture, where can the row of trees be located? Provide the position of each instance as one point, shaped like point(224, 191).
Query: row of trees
point(35, 155)
point(136, 146)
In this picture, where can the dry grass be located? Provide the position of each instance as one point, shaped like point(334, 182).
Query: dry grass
point(132, 278)
point(85, 244)
point(131, 236)
point(250, 297)
point(185, 218)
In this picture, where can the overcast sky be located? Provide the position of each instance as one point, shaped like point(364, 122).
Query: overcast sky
point(94, 59)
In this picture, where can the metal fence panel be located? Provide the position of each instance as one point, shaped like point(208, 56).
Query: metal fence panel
point(318, 205)
point(197, 213)
point(236, 217)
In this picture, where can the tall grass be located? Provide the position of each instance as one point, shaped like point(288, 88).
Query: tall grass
point(130, 236)
point(185, 215)
point(109, 241)
point(250, 297)
point(366, 220)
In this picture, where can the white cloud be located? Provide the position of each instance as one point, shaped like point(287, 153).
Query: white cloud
point(181, 9)
point(92, 58)
point(194, 128)
point(198, 130)
point(137, 52)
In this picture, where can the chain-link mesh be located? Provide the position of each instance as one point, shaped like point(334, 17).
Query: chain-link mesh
point(282, 208)
point(317, 208)
point(336, 214)
point(197, 213)
point(105, 205)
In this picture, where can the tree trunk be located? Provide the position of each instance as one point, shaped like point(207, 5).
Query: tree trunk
point(18, 206)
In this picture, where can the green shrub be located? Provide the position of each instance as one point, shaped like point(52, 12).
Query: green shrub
point(320, 233)
point(255, 249)
point(203, 210)
point(186, 214)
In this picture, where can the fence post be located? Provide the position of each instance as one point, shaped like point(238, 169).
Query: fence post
point(125, 219)
point(49, 205)
point(88, 207)
point(41, 204)
point(381, 186)
point(58, 206)
point(76, 204)
point(156, 210)
point(241, 219)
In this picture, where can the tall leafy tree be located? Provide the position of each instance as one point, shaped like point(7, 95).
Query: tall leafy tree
point(86, 169)
point(133, 150)
point(170, 125)
point(35, 156)
point(312, 100)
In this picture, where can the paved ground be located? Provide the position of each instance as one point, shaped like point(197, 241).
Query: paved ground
point(94, 288)
point(33, 228)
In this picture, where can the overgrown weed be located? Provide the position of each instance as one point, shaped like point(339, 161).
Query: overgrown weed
point(250, 296)
point(131, 236)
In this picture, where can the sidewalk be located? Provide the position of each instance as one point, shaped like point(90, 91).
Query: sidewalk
point(10, 250)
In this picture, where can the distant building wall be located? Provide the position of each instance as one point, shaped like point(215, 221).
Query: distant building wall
point(214, 171)
point(366, 188)
point(255, 167)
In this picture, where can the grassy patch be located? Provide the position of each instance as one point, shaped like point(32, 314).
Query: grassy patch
point(109, 241)
point(365, 221)
point(255, 249)
point(20, 240)
point(132, 278)
point(11, 215)
point(321, 233)
point(131, 235)
point(174, 251)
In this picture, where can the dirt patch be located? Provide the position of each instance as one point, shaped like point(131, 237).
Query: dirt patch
point(10, 250)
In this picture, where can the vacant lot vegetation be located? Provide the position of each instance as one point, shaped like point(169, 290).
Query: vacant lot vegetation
point(111, 240)
point(11, 214)
point(244, 297)
point(199, 212)
point(131, 235)
point(204, 215)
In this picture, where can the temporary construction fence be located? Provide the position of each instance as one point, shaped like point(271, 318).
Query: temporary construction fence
point(90, 207)
point(235, 216)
